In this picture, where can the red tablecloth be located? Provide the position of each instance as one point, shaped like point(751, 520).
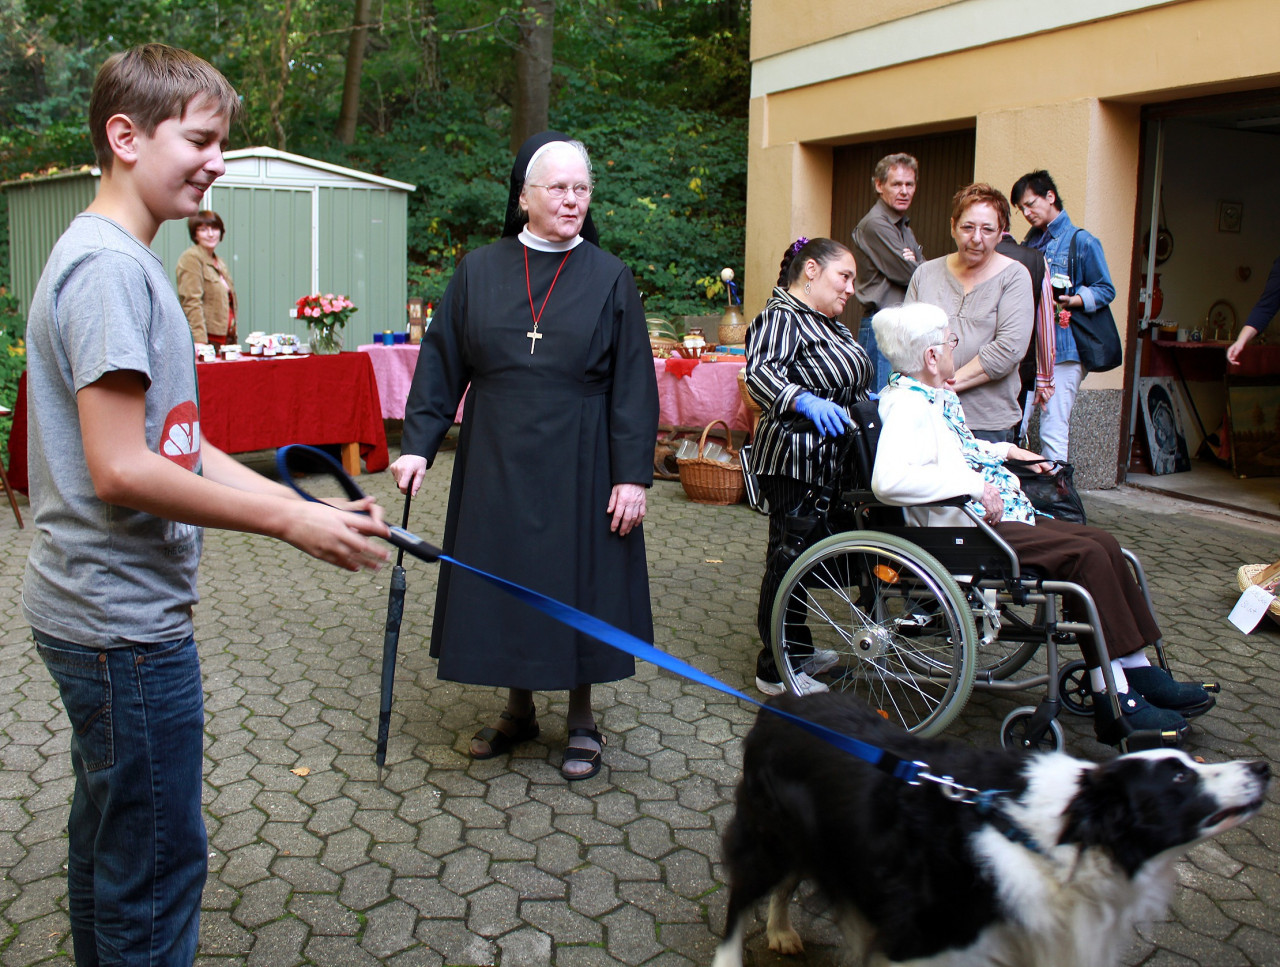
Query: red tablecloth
point(17, 467)
point(260, 404)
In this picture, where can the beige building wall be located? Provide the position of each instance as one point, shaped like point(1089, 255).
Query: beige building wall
point(1044, 84)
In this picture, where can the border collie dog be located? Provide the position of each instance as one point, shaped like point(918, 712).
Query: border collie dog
point(1054, 871)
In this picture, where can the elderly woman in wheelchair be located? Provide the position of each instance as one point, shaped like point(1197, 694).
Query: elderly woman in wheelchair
point(927, 454)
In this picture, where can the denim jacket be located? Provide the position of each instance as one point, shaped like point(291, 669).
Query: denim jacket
point(1091, 281)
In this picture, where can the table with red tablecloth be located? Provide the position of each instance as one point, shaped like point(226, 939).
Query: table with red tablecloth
point(260, 404)
point(708, 392)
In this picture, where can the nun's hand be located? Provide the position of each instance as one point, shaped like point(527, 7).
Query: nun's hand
point(627, 505)
point(408, 471)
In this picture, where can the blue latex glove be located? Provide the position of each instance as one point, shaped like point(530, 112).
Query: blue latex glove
point(830, 418)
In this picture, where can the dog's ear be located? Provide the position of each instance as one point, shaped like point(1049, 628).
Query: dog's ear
point(1106, 814)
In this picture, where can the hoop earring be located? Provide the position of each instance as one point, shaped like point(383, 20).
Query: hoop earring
point(808, 287)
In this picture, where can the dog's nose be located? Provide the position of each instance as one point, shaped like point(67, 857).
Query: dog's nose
point(1260, 768)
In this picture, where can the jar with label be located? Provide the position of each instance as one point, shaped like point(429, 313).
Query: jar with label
point(695, 341)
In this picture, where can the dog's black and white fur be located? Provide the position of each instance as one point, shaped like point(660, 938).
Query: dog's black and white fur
point(915, 878)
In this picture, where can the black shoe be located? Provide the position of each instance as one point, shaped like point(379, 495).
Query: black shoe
point(1158, 687)
point(1139, 716)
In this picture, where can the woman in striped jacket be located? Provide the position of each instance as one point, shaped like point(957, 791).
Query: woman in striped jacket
point(803, 368)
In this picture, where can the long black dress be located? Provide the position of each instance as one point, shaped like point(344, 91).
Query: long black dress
point(545, 436)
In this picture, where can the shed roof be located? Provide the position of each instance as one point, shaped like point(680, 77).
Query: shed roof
point(263, 166)
point(258, 166)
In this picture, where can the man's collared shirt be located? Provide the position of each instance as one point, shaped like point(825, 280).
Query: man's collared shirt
point(878, 241)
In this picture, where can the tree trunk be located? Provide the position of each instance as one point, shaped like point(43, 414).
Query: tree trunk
point(350, 110)
point(430, 47)
point(275, 107)
point(532, 103)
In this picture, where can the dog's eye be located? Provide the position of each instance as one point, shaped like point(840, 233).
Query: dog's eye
point(1182, 775)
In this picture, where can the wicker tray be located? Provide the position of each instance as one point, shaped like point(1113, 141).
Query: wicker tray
point(1256, 574)
point(708, 481)
point(662, 346)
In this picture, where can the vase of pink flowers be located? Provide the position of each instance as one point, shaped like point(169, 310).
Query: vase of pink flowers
point(325, 316)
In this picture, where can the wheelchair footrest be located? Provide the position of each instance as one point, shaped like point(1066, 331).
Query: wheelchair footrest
point(1126, 738)
point(1143, 739)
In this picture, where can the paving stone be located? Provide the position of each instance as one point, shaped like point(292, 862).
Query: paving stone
point(364, 887)
point(262, 902)
point(389, 929)
point(323, 914)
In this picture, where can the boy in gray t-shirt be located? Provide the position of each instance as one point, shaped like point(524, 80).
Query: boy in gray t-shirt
point(121, 487)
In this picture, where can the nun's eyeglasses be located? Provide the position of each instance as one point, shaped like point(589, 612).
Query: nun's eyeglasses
point(559, 191)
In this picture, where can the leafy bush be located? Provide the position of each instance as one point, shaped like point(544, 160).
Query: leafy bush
point(13, 356)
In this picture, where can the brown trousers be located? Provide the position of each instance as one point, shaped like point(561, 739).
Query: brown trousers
point(1091, 558)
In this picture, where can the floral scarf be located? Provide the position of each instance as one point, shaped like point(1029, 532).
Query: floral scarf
point(1016, 505)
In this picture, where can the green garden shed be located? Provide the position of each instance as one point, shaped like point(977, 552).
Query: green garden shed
point(295, 226)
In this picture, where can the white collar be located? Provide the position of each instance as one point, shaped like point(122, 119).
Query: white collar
point(528, 239)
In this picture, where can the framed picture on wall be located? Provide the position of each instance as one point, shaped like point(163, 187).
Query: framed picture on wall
point(1162, 417)
point(1253, 407)
point(1230, 215)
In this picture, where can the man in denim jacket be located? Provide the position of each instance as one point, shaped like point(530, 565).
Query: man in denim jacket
point(1088, 287)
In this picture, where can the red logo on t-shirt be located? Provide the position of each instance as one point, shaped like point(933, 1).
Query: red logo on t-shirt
point(180, 441)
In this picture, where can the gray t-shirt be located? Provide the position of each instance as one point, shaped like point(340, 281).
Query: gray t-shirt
point(99, 574)
point(993, 321)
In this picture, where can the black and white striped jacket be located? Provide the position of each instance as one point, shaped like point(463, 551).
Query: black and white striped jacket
point(792, 349)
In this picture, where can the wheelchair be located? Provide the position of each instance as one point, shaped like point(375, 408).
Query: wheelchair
point(918, 617)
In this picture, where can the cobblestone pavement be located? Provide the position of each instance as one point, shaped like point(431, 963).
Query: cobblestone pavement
point(502, 861)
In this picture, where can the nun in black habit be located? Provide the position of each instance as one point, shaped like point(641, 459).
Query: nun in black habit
point(554, 454)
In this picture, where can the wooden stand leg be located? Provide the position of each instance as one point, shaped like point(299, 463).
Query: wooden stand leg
point(13, 502)
point(351, 459)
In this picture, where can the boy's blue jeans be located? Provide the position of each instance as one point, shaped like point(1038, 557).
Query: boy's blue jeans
point(137, 844)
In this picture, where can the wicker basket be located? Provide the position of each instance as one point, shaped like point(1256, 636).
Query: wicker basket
point(1254, 574)
point(708, 481)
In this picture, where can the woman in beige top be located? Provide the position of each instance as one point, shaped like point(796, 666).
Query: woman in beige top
point(988, 300)
point(204, 284)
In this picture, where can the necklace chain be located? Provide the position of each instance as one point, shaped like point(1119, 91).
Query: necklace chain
point(533, 336)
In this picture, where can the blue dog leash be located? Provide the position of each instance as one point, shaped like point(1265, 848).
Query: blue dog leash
point(910, 772)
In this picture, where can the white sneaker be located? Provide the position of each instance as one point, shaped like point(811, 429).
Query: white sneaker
point(819, 661)
point(805, 684)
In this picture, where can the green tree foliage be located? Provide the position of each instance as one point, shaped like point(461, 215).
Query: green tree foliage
point(656, 88)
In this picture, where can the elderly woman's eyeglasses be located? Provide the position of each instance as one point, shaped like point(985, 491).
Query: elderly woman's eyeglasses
point(559, 191)
point(952, 340)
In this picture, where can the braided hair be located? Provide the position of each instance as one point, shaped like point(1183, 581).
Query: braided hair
point(824, 251)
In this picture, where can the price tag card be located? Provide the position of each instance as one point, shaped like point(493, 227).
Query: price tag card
point(1253, 604)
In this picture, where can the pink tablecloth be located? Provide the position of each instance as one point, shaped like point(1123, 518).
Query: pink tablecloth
point(709, 393)
point(393, 367)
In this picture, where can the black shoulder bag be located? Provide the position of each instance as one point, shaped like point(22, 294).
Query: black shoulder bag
point(1053, 493)
point(1095, 332)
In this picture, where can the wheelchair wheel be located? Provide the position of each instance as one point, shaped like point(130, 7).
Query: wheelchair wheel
point(1013, 733)
point(893, 622)
point(1073, 688)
